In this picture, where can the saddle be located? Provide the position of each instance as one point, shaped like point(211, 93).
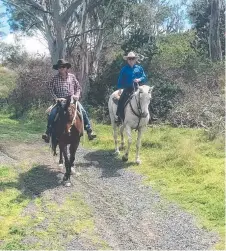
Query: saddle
point(117, 97)
point(49, 109)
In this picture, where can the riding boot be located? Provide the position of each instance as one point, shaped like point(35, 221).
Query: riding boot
point(46, 136)
point(90, 134)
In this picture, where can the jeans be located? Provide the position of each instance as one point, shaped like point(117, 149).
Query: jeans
point(53, 114)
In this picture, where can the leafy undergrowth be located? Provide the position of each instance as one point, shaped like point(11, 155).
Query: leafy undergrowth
point(184, 166)
point(47, 225)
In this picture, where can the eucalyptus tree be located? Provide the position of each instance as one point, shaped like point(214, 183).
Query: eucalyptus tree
point(208, 18)
point(58, 20)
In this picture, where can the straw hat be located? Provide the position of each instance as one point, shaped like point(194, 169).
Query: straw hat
point(130, 55)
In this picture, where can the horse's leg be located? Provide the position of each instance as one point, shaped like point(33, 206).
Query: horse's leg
point(73, 149)
point(140, 130)
point(129, 134)
point(115, 135)
point(122, 146)
point(67, 175)
point(61, 158)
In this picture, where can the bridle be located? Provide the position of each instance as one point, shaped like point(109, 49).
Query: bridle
point(75, 113)
point(139, 114)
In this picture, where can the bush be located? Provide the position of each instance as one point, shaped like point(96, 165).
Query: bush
point(31, 86)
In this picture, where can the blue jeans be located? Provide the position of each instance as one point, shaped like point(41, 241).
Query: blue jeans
point(53, 114)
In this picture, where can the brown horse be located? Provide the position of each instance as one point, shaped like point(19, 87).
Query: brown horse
point(67, 130)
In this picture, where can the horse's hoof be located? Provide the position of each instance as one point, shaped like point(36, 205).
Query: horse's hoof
point(72, 170)
point(67, 183)
point(117, 152)
point(124, 158)
point(138, 161)
point(77, 174)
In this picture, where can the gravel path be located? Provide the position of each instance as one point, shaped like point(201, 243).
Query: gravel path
point(128, 215)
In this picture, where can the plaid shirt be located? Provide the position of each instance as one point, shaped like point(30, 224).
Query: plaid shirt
point(62, 88)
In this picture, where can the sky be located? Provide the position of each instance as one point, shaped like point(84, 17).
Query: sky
point(32, 45)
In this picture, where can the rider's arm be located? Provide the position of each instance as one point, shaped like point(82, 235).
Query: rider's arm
point(51, 89)
point(143, 77)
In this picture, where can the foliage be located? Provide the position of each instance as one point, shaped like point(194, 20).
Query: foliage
point(165, 94)
point(12, 55)
point(199, 13)
point(31, 86)
point(143, 44)
point(174, 50)
point(7, 83)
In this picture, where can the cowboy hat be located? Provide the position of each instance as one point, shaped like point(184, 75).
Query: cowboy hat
point(61, 62)
point(130, 55)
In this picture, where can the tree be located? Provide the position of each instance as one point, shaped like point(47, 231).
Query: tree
point(208, 18)
point(58, 20)
point(214, 32)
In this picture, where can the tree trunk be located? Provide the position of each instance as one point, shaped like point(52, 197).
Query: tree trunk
point(214, 34)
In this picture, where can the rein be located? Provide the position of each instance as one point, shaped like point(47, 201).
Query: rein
point(74, 118)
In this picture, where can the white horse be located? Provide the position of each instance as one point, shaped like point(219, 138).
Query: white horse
point(136, 117)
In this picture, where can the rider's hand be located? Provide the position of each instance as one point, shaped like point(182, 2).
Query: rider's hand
point(136, 80)
point(59, 99)
point(76, 98)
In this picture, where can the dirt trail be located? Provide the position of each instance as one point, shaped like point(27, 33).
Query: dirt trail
point(127, 214)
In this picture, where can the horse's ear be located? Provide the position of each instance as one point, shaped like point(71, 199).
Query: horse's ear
point(150, 89)
point(141, 90)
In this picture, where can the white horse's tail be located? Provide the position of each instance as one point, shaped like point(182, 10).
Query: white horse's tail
point(112, 105)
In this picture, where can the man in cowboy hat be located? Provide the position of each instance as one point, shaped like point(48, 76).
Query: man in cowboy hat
point(62, 85)
point(130, 77)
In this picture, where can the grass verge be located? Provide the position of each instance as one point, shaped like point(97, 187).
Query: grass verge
point(184, 166)
point(41, 223)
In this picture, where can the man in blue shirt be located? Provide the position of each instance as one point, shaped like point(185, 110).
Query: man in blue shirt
point(130, 77)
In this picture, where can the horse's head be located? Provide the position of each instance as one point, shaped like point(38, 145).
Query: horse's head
point(66, 113)
point(144, 95)
point(63, 103)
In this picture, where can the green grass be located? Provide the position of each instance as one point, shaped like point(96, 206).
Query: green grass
point(184, 166)
point(20, 130)
point(61, 222)
point(48, 225)
point(180, 163)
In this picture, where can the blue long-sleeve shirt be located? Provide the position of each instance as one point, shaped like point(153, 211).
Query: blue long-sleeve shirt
point(128, 74)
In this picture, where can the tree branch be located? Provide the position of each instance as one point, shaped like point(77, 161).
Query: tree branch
point(69, 11)
point(37, 6)
point(77, 35)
